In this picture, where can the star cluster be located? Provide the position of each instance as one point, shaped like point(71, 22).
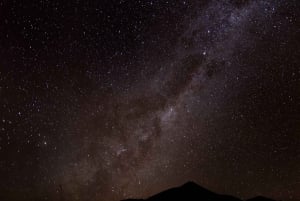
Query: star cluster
point(106, 100)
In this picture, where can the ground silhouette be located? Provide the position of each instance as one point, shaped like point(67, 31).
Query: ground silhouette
point(191, 191)
point(260, 198)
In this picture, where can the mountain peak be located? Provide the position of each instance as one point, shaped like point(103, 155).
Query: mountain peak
point(190, 183)
point(193, 192)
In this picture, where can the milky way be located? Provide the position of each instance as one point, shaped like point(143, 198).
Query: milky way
point(206, 91)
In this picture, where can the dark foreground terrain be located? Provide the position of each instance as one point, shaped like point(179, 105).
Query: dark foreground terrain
point(193, 192)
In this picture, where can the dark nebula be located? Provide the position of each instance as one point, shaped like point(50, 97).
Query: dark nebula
point(107, 100)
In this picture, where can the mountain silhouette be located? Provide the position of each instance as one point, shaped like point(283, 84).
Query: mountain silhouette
point(260, 198)
point(191, 191)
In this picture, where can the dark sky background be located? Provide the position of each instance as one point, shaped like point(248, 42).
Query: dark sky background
point(106, 100)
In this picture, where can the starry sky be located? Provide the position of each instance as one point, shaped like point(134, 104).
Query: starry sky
point(106, 100)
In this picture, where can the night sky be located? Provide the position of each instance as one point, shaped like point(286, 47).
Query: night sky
point(105, 100)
